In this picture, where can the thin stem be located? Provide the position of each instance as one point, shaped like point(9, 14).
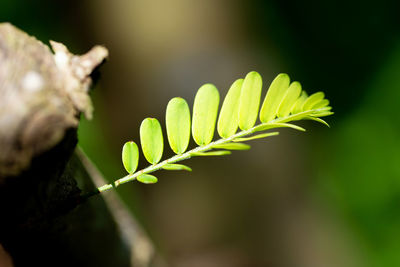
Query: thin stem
point(174, 159)
point(188, 154)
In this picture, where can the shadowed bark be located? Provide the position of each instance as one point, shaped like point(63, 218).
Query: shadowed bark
point(43, 219)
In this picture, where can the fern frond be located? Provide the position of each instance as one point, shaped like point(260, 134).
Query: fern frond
point(284, 103)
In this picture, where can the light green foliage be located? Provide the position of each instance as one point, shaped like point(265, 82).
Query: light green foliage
point(276, 92)
point(292, 94)
point(232, 146)
point(284, 103)
point(205, 110)
point(212, 153)
point(176, 167)
point(313, 100)
point(268, 126)
point(323, 114)
point(130, 156)
point(298, 105)
point(147, 179)
point(250, 100)
point(177, 120)
point(317, 119)
point(151, 140)
point(228, 118)
point(322, 103)
point(257, 136)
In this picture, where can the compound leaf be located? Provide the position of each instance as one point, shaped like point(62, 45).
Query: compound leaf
point(284, 102)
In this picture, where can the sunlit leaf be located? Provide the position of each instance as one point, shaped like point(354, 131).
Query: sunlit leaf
point(274, 97)
point(267, 126)
point(292, 94)
point(147, 179)
point(177, 120)
point(284, 104)
point(130, 156)
point(176, 167)
point(205, 109)
point(318, 120)
point(249, 100)
point(228, 116)
point(312, 100)
point(296, 117)
point(328, 108)
point(322, 114)
point(298, 105)
point(322, 103)
point(212, 153)
point(257, 136)
point(151, 140)
point(232, 146)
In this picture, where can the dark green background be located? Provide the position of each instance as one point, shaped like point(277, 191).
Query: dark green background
point(253, 203)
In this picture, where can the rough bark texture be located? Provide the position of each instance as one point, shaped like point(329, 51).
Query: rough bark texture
point(43, 222)
point(41, 95)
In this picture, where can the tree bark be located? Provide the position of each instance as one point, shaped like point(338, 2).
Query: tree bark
point(43, 220)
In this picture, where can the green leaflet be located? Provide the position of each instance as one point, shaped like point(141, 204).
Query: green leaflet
point(205, 109)
point(232, 146)
point(228, 116)
point(267, 126)
point(312, 100)
point(292, 94)
point(249, 100)
point(212, 153)
point(318, 120)
point(274, 97)
point(176, 167)
point(151, 139)
point(295, 117)
point(147, 179)
point(257, 136)
point(322, 114)
point(177, 121)
point(130, 156)
point(298, 105)
point(324, 108)
point(322, 103)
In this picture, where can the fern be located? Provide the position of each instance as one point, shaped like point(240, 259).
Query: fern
point(284, 103)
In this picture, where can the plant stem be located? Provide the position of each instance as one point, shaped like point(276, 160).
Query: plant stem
point(174, 159)
point(188, 154)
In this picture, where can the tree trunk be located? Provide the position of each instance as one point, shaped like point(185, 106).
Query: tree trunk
point(44, 220)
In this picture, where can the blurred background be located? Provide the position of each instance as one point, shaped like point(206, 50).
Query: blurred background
point(328, 197)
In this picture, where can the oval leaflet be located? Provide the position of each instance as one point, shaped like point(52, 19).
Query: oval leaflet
point(151, 140)
point(130, 156)
point(177, 121)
